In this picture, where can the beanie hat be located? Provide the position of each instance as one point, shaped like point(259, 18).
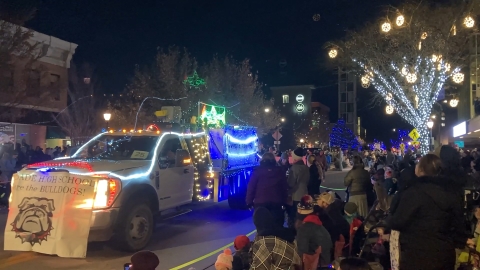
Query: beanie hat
point(298, 154)
point(144, 260)
point(326, 197)
point(305, 206)
point(350, 208)
point(224, 260)
point(240, 242)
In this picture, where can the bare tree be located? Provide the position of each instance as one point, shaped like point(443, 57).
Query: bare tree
point(20, 73)
point(410, 55)
point(233, 85)
point(81, 119)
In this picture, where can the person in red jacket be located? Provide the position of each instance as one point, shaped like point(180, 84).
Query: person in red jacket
point(268, 188)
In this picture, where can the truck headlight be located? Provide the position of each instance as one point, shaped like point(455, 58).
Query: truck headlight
point(106, 192)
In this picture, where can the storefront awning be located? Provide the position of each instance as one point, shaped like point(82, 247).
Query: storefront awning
point(55, 133)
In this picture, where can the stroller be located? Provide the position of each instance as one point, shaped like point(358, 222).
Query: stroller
point(365, 243)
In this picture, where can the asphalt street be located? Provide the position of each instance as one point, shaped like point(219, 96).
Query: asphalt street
point(190, 240)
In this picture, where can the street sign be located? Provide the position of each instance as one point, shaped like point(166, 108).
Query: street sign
point(276, 142)
point(415, 143)
point(414, 134)
point(277, 136)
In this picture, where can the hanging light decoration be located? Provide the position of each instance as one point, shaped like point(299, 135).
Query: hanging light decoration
point(388, 96)
point(454, 30)
point(419, 45)
point(411, 77)
point(400, 20)
point(453, 103)
point(458, 77)
point(386, 27)
point(424, 35)
point(447, 67)
point(469, 22)
point(333, 53)
point(404, 71)
point(436, 58)
point(389, 109)
point(365, 81)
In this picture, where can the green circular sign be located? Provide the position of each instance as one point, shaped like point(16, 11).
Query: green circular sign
point(300, 107)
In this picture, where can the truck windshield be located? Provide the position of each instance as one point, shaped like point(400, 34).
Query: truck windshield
point(119, 147)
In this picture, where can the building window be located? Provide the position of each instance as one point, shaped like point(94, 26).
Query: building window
point(54, 86)
point(33, 83)
point(286, 98)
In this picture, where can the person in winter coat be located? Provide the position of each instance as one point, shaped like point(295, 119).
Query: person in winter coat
point(357, 182)
point(242, 257)
point(427, 219)
point(315, 176)
point(268, 188)
point(313, 240)
point(269, 240)
point(284, 162)
point(298, 178)
point(378, 181)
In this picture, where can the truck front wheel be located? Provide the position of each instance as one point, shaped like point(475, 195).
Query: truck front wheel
point(136, 228)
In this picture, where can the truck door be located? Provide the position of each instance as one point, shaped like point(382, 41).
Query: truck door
point(172, 190)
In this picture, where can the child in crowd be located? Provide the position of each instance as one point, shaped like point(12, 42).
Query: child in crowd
point(313, 240)
point(144, 260)
point(224, 260)
point(304, 208)
point(350, 210)
point(390, 181)
point(242, 258)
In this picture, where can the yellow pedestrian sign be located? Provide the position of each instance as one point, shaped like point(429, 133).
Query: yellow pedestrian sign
point(414, 134)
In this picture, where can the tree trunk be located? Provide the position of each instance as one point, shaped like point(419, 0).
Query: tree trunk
point(424, 139)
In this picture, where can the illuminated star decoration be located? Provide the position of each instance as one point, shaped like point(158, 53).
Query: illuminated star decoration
point(194, 81)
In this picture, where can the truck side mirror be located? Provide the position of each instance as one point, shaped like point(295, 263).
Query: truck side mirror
point(182, 158)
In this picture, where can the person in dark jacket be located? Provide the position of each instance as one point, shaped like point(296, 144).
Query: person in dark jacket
point(426, 218)
point(268, 188)
point(357, 182)
point(315, 174)
point(284, 162)
point(242, 257)
point(311, 235)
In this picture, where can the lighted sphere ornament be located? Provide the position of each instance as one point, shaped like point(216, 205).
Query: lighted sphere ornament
point(386, 27)
point(388, 96)
point(411, 77)
point(404, 71)
point(469, 22)
point(453, 103)
point(400, 20)
point(458, 77)
point(424, 35)
point(316, 17)
point(333, 53)
point(389, 109)
point(365, 81)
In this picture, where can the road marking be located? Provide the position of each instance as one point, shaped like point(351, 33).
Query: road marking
point(338, 189)
point(207, 255)
point(16, 259)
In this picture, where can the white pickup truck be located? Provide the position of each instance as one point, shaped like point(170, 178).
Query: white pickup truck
point(143, 173)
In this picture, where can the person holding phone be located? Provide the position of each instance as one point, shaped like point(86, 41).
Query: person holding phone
point(143, 260)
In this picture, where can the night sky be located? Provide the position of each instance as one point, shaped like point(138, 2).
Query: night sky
point(117, 35)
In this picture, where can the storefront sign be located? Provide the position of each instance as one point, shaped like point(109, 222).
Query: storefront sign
point(50, 213)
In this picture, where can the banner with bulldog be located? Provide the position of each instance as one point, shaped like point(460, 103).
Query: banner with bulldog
point(50, 213)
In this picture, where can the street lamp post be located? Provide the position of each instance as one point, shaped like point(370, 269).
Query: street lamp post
point(430, 126)
point(107, 117)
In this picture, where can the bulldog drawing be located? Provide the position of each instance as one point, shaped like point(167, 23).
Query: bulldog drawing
point(34, 220)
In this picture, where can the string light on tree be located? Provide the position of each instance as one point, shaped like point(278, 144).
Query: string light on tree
point(469, 22)
point(400, 20)
point(424, 35)
point(386, 27)
point(389, 109)
point(333, 53)
point(453, 103)
point(388, 96)
point(404, 71)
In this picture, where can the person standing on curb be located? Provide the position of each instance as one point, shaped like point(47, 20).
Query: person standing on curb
point(298, 178)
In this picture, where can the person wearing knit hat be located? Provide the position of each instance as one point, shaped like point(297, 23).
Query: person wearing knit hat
point(224, 260)
point(325, 199)
point(350, 210)
point(242, 257)
point(144, 260)
point(304, 208)
point(298, 179)
point(298, 154)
